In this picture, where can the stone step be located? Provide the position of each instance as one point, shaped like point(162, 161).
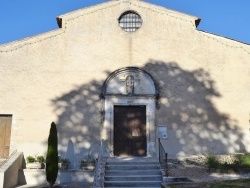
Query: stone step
point(132, 159)
point(132, 163)
point(134, 178)
point(132, 172)
point(131, 167)
point(132, 184)
point(133, 187)
point(136, 187)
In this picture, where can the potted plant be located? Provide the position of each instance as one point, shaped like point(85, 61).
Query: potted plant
point(87, 162)
point(63, 163)
point(35, 162)
point(40, 159)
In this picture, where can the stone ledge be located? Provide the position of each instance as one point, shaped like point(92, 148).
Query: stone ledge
point(38, 176)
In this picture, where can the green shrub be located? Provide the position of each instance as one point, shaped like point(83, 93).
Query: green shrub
point(30, 159)
point(240, 162)
point(52, 156)
point(63, 160)
point(212, 162)
point(88, 158)
point(243, 160)
point(224, 167)
point(40, 159)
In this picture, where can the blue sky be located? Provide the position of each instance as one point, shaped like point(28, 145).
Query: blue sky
point(25, 18)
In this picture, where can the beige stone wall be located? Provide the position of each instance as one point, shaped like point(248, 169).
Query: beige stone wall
point(203, 79)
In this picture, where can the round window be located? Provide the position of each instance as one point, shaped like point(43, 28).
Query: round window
point(130, 21)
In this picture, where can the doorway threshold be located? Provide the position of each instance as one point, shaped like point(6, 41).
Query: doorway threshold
point(131, 159)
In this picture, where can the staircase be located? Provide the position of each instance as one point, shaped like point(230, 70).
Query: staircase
point(132, 172)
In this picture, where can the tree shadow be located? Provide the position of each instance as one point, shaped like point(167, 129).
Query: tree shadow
point(194, 124)
point(79, 121)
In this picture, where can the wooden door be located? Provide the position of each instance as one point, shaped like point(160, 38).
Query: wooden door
point(5, 129)
point(130, 131)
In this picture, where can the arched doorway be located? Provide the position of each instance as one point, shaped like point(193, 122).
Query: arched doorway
point(130, 96)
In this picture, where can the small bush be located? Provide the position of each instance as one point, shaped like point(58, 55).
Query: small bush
point(63, 160)
point(212, 162)
point(224, 167)
point(239, 163)
point(87, 159)
point(40, 159)
point(243, 160)
point(30, 159)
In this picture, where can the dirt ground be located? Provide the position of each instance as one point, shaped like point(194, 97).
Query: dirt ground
point(195, 170)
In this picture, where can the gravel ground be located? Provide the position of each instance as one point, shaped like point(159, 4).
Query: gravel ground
point(195, 170)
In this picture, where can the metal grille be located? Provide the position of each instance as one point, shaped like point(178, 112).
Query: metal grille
point(130, 21)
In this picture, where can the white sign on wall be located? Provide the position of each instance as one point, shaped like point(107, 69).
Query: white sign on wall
point(162, 131)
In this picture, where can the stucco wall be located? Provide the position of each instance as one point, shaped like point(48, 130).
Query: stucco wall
point(57, 76)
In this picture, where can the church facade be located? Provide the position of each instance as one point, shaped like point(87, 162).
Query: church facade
point(121, 71)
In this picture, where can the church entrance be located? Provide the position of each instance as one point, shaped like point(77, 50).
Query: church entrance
point(130, 98)
point(130, 131)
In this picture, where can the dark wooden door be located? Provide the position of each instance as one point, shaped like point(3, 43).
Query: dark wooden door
point(130, 131)
point(5, 129)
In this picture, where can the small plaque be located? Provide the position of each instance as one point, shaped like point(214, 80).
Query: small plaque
point(162, 131)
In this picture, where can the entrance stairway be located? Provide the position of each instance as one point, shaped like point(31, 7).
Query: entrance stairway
point(132, 172)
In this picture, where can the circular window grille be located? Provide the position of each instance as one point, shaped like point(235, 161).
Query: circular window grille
point(130, 21)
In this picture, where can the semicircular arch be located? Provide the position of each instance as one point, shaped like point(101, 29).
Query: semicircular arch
point(130, 81)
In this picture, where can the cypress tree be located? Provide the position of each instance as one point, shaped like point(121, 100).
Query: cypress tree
point(52, 156)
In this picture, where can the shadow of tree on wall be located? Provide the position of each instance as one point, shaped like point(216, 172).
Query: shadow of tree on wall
point(195, 125)
point(79, 122)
